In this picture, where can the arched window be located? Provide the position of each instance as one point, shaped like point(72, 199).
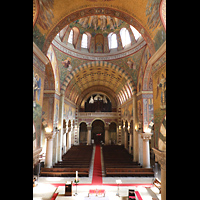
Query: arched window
point(125, 37)
point(84, 42)
point(70, 38)
point(112, 41)
point(135, 33)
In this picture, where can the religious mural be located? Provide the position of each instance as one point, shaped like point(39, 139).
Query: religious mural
point(159, 99)
point(45, 13)
point(38, 86)
point(145, 57)
point(154, 22)
point(127, 111)
point(99, 43)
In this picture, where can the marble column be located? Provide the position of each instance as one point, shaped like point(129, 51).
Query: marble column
point(135, 124)
point(60, 125)
point(146, 151)
point(55, 146)
point(56, 143)
point(49, 150)
point(140, 148)
point(126, 139)
point(69, 139)
point(89, 128)
point(130, 143)
point(64, 141)
point(160, 157)
point(106, 135)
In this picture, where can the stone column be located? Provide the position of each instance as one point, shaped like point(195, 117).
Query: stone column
point(55, 146)
point(56, 143)
point(135, 124)
point(64, 141)
point(125, 139)
point(146, 152)
point(49, 150)
point(140, 148)
point(130, 143)
point(160, 157)
point(69, 139)
point(89, 128)
point(106, 135)
point(60, 125)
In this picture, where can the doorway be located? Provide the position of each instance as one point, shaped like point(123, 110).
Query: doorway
point(98, 132)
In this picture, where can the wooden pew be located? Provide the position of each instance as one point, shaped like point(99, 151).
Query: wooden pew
point(129, 172)
point(64, 172)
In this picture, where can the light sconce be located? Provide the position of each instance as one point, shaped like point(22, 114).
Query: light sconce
point(48, 130)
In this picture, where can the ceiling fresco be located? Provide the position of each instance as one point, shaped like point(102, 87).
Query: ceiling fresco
point(121, 75)
point(99, 24)
point(56, 14)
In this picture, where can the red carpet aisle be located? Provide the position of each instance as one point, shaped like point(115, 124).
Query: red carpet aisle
point(97, 172)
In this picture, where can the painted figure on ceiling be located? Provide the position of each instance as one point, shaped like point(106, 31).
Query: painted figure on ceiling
point(131, 64)
point(94, 22)
point(67, 63)
point(103, 20)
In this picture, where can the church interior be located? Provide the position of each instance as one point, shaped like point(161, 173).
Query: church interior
point(99, 99)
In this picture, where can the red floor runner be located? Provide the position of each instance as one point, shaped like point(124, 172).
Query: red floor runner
point(138, 195)
point(97, 172)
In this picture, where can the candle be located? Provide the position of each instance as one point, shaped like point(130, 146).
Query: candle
point(76, 175)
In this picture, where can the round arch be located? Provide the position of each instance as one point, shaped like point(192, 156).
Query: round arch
point(98, 11)
point(98, 131)
point(102, 64)
point(83, 133)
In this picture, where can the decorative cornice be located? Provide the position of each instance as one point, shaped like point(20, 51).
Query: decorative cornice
point(144, 92)
point(97, 114)
point(90, 56)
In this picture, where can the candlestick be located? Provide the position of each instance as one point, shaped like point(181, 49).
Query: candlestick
point(76, 175)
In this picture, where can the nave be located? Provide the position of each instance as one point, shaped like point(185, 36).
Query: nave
point(99, 76)
point(142, 185)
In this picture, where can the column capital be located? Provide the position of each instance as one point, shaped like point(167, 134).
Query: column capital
point(146, 136)
point(49, 135)
point(160, 156)
point(62, 93)
point(89, 127)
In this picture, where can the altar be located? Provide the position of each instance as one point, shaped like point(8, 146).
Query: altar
point(97, 192)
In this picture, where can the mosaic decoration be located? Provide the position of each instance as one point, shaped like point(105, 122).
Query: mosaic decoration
point(98, 11)
point(159, 99)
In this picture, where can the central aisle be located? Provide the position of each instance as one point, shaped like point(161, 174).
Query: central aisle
point(97, 171)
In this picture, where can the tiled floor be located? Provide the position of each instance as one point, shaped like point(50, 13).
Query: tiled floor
point(45, 190)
